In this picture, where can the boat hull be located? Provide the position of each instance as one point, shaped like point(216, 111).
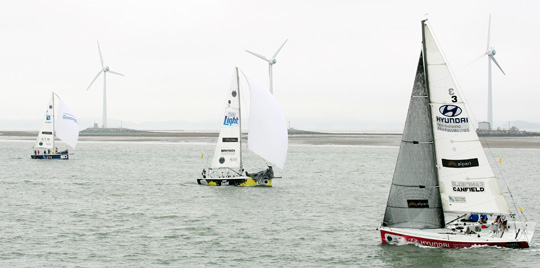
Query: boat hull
point(399, 236)
point(236, 181)
point(51, 156)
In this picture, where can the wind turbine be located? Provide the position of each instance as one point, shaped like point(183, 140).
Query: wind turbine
point(104, 70)
point(270, 63)
point(490, 52)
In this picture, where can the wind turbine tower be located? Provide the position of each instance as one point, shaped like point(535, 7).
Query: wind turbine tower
point(490, 52)
point(104, 70)
point(271, 62)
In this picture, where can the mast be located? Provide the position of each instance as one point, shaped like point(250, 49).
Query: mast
point(428, 91)
point(239, 116)
point(425, 59)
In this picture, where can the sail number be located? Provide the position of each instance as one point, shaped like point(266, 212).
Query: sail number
point(451, 93)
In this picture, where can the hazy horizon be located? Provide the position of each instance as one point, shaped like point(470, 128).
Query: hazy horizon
point(347, 65)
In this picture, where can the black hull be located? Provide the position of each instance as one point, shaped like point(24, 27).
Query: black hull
point(241, 181)
point(51, 156)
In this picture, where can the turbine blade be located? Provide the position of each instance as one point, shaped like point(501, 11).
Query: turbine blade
point(489, 32)
point(113, 72)
point(258, 55)
point(94, 79)
point(100, 57)
point(275, 54)
point(496, 63)
point(475, 60)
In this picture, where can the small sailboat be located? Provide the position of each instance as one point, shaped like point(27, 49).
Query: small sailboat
point(59, 121)
point(267, 138)
point(443, 173)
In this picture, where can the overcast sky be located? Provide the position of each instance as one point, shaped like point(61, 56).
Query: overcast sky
point(348, 65)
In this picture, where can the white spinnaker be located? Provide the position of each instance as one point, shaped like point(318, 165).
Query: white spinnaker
point(467, 182)
point(227, 153)
point(67, 124)
point(45, 139)
point(268, 135)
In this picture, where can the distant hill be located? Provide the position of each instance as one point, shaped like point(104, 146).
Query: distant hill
point(530, 126)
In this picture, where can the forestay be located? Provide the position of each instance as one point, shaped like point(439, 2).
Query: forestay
point(268, 135)
point(467, 183)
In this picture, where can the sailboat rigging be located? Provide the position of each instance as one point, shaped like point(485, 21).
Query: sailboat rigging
point(59, 121)
point(442, 171)
point(267, 138)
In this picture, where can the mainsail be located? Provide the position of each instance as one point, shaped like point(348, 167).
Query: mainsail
point(268, 135)
point(228, 148)
point(67, 124)
point(45, 138)
point(467, 183)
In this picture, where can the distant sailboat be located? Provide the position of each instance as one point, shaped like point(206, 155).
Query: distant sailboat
point(267, 137)
point(59, 121)
point(443, 172)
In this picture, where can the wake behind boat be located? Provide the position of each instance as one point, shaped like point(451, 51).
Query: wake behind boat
point(267, 137)
point(60, 121)
point(443, 173)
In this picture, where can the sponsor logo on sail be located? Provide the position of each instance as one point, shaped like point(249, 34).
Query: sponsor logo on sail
point(449, 122)
point(233, 93)
point(462, 163)
point(468, 186)
point(229, 139)
point(70, 117)
point(457, 199)
point(450, 110)
point(227, 151)
point(48, 117)
point(222, 160)
point(453, 124)
point(416, 203)
point(230, 119)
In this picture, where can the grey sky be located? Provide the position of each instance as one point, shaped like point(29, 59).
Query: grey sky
point(348, 65)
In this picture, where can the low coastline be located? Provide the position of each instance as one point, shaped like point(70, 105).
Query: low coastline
point(339, 139)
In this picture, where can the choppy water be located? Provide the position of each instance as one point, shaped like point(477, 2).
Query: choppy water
point(128, 204)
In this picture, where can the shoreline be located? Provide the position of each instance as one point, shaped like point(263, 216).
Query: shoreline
point(352, 139)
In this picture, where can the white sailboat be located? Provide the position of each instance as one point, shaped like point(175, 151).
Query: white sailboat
point(59, 121)
point(267, 138)
point(443, 173)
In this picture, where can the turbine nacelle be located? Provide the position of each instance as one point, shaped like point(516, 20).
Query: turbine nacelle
point(491, 52)
point(270, 61)
point(106, 69)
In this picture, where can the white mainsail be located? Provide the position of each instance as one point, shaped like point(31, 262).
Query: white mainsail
point(67, 124)
point(228, 148)
point(467, 182)
point(45, 139)
point(268, 135)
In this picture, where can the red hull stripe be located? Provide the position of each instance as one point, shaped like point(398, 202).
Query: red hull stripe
point(397, 238)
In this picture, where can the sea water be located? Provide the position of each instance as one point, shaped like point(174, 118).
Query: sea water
point(137, 204)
